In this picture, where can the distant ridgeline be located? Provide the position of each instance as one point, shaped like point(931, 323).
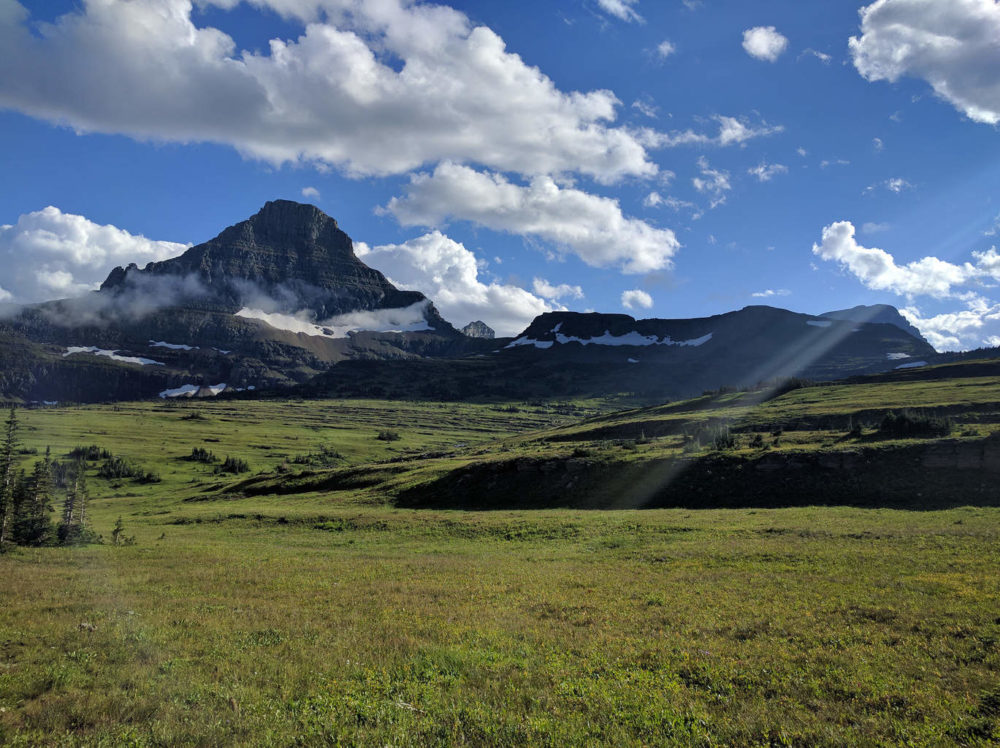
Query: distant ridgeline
point(281, 301)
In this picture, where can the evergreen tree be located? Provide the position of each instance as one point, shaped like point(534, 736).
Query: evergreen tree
point(73, 527)
point(32, 522)
point(8, 476)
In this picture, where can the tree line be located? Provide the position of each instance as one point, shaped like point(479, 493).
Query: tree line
point(27, 499)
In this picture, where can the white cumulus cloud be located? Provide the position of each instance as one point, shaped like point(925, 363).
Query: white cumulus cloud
point(636, 299)
point(951, 44)
point(927, 276)
point(373, 87)
point(549, 291)
point(770, 293)
point(448, 273)
point(764, 43)
point(590, 226)
point(49, 254)
point(310, 192)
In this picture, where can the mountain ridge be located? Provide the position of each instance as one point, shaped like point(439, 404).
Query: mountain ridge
point(280, 300)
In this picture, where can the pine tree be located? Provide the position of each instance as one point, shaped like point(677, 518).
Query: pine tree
point(32, 523)
point(72, 528)
point(8, 476)
point(82, 495)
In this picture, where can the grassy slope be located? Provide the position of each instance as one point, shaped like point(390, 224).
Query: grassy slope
point(331, 615)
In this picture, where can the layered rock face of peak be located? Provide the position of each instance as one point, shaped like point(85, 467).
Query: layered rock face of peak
point(478, 329)
point(287, 257)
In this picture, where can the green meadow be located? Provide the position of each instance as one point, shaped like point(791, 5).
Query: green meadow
point(301, 603)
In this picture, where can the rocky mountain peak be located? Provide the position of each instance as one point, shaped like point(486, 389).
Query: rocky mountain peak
point(286, 222)
point(289, 257)
point(478, 329)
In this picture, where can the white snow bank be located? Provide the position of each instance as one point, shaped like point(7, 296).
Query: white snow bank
point(113, 355)
point(633, 339)
point(529, 341)
point(185, 390)
point(172, 346)
point(896, 356)
point(401, 319)
point(819, 322)
point(190, 390)
point(633, 360)
point(913, 365)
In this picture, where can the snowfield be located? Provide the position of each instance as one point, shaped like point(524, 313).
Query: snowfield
point(190, 390)
point(632, 339)
point(402, 319)
point(913, 365)
point(172, 346)
point(113, 355)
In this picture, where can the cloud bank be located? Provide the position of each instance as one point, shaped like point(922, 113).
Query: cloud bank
point(448, 273)
point(373, 87)
point(589, 226)
point(49, 254)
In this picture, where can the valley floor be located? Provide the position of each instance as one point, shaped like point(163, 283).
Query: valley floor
point(300, 604)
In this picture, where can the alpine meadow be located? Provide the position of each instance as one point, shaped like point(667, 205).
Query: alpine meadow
point(591, 373)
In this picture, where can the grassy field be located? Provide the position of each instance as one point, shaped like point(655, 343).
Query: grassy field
point(317, 611)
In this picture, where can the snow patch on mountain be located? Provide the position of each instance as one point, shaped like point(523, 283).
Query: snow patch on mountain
point(913, 365)
point(113, 355)
point(403, 319)
point(632, 339)
point(528, 341)
point(193, 390)
point(896, 356)
point(172, 346)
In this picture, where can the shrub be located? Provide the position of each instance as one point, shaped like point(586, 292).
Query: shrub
point(909, 424)
point(326, 457)
point(75, 534)
point(233, 465)
point(118, 536)
point(200, 454)
point(723, 439)
point(91, 453)
point(118, 467)
point(388, 436)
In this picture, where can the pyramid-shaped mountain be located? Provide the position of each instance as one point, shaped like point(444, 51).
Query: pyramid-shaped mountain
point(289, 253)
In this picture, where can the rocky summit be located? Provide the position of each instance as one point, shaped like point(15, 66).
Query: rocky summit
point(478, 329)
point(289, 255)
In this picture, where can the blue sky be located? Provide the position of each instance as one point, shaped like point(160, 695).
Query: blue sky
point(665, 158)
